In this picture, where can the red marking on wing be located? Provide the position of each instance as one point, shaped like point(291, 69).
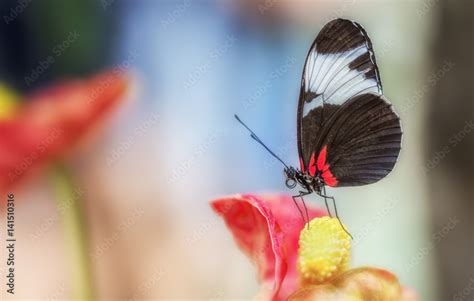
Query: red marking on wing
point(329, 178)
point(301, 165)
point(322, 159)
point(323, 167)
point(312, 166)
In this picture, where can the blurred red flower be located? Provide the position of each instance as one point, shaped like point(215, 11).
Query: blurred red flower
point(48, 123)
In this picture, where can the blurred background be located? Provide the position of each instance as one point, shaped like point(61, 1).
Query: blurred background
point(146, 179)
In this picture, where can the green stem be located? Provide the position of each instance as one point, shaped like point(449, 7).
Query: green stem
point(75, 233)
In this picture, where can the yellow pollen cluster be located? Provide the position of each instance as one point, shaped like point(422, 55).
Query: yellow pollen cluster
point(324, 250)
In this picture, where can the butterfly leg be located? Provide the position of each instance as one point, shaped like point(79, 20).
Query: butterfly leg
point(298, 207)
point(300, 195)
point(327, 206)
point(335, 210)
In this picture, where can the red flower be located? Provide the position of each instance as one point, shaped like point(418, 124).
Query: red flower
point(267, 229)
point(297, 263)
point(51, 121)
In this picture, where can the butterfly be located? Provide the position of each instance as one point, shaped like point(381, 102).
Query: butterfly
point(348, 132)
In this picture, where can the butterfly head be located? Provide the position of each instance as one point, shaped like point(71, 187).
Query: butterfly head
point(292, 175)
point(309, 183)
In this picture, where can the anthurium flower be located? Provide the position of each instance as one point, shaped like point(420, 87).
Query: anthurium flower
point(41, 127)
point(297, 262)
point(267, 229)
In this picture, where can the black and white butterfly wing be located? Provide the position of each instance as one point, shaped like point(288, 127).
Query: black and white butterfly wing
point(347, 131)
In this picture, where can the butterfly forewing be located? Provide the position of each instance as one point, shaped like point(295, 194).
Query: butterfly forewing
point(347, 131)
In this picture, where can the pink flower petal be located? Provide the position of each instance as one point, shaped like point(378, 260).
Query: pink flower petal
point(267, 228)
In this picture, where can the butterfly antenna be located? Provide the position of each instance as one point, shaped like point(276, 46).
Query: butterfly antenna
point(255, 137)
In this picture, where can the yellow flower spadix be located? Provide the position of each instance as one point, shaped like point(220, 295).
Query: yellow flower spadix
point(324, 250)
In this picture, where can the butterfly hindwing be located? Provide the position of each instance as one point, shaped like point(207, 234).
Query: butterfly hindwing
point(346, 129)
point(361, 141)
